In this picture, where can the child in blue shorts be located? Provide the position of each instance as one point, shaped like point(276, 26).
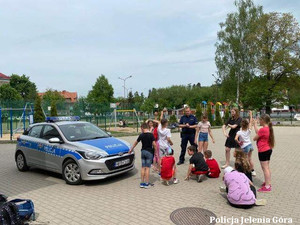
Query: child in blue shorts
point(243, 138)
point(201, 136)
point(148, 148)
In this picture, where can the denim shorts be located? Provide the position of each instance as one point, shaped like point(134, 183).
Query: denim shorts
point(248, 148)
point(203, 137)
point(147, 158)
point(162, 152)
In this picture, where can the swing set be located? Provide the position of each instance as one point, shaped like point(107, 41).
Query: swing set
point(129, 114)
point(12, 115)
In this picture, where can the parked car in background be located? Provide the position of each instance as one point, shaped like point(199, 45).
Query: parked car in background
point(297, 116)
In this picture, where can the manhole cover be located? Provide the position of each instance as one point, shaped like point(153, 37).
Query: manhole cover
point(192, 216)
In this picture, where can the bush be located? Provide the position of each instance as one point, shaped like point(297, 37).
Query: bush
point(209, 115)
point(53, 111)
point(173, 119)
point(198, 112)
point(226, 116)
point(38, 116)
point(218, 121)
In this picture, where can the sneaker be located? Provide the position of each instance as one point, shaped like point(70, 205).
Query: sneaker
point(260, 202)
point(146, 185)
point(175, 181)
point(200, 178)
point(222, 189)
point(224, 166)
point(264, 189)
point(142, 185)
point(264, 184)
point(253, 173)
point(179, 163)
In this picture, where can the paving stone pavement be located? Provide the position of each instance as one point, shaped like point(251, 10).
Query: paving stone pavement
point(119, 200)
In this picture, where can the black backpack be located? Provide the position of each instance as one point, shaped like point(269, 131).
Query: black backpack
point(9, 212)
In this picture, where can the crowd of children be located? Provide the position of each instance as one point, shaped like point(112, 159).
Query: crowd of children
point(157, 152)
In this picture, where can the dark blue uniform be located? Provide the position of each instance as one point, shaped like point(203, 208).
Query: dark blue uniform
point(187, 134)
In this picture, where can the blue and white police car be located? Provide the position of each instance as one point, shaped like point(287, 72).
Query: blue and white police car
point(78, 150)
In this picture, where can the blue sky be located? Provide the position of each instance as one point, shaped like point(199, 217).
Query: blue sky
point(66, 45)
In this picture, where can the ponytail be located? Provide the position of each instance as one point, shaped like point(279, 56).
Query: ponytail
point(267, 120)
point(271, 136)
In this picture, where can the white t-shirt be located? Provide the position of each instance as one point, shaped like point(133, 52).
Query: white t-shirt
point(163, 134)
point(245, 137)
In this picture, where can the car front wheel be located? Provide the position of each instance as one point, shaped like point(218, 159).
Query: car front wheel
point(71, 172)
point(21, 162)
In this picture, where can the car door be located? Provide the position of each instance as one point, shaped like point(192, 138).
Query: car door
point(52, 150)
point(35, 154)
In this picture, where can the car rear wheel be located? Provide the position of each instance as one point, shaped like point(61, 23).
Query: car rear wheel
point(21, 162)
point(71, 172)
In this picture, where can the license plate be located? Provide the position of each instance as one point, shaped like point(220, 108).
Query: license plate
point(122, 162)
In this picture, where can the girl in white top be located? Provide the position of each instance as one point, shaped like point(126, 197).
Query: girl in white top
point(201, 136)
point(164, 136)
point(243, 138)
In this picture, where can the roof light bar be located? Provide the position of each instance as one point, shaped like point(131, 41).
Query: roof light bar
point(62, 118)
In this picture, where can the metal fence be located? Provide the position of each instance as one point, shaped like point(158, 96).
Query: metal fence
point(16, 116)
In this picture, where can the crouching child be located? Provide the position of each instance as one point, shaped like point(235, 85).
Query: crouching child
point(198, 167)
point(168, 168)
point(214, 169)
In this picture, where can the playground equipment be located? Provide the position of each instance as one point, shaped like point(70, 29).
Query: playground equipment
point(125, 113)
point(16, 119)
point(204, 104)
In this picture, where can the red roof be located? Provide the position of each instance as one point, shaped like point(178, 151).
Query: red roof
point(71, 96)
point(4, 77)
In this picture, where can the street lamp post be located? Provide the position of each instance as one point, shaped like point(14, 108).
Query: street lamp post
point(127, 90)
point(124, 80)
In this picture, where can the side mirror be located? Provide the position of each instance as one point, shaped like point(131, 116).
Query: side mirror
point(55, 140)
point(109, 133)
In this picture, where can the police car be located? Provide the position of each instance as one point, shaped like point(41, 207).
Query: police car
point(77, 150)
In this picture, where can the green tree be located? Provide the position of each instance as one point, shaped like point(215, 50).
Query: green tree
point(38, 116)
point(26, 88)
point(80, 107)
point(277, 45)
point(292, 93)
point(148, 105)
point(7, 93)
point(102, 91)
point(199, 112)
point(53, 111)
point(173, 119)
point(218, 121)
point(226, 114)
point(178, 95)
point(130, 98)
point(210, 115)
point(53, 95)
point(138, 100)
point(100, 96)
point(234, 57)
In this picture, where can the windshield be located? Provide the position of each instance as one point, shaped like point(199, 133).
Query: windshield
point(82, 131)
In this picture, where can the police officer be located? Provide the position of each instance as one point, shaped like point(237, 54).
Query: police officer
point(188, 124)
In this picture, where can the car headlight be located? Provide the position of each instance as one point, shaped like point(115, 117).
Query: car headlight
point(91, 155)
